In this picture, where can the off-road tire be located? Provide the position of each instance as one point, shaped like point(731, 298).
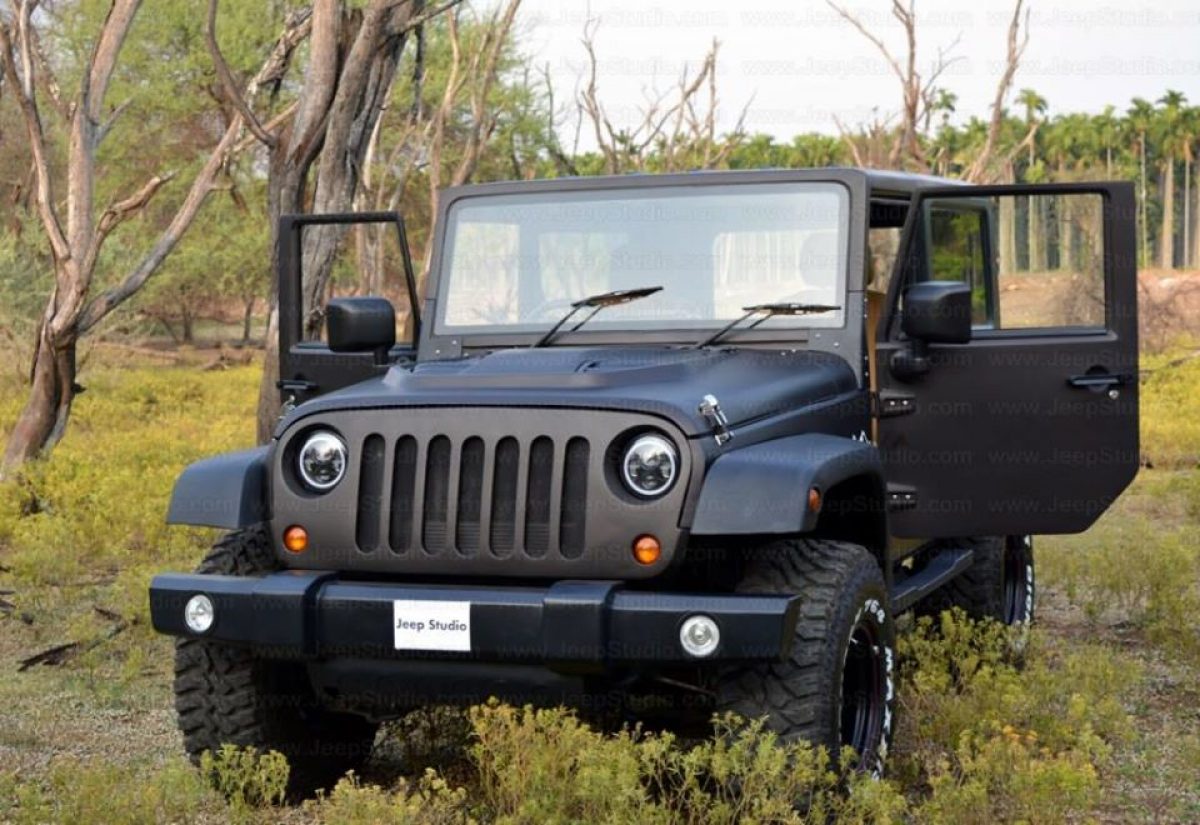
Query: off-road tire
point(225, 694)
point(843, 597)
point(1000, 583)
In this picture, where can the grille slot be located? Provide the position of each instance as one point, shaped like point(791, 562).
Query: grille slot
point(537, 502)
point(404, 486)
point(572, 524)
point(470, 497)
point(504, 497)
point(370, 494)
point(437, 496)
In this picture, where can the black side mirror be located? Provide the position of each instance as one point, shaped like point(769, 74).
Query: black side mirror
point(935, 312)
point(361, 324)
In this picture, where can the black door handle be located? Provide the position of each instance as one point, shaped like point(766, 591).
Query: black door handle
point(1097, 380)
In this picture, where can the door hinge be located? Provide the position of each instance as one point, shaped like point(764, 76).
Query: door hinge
point(887, 403)
point(901, 497)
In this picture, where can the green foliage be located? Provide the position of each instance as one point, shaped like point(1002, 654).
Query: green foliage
point(994, 742)
point(133, 431)
point(546, 766)
point(82, 793)
point(245, 777)
point(1170, 426)
point(430, 800)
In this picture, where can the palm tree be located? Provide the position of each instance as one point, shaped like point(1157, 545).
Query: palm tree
point(1106, 129)
point(1035, 106)
point(1140, 116)
point(1170, 136)
point(1190, 129)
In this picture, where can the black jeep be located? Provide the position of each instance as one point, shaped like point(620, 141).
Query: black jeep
point(660, 445)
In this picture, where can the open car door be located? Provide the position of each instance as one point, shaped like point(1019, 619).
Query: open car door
point(1032, 425)
point(307, 366)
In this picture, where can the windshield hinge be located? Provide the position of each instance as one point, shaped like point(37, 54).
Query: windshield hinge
point(710, 409)
point(886, 403)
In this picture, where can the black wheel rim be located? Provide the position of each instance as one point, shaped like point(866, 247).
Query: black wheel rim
point(864, 690)
point(1016, 583)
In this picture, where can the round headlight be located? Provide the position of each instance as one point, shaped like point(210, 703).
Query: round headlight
point(649, 465)
point(322, 461)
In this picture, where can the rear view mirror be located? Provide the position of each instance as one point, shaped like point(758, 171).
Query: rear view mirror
point(361, 324)
point(935, 312)
point(938, 312)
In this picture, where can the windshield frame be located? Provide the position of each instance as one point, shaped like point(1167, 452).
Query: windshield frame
point(440, 344)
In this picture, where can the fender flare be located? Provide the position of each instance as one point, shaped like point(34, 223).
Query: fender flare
point(763, 488)
point(228, 490)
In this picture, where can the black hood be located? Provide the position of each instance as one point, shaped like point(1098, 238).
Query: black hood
point(750, 384)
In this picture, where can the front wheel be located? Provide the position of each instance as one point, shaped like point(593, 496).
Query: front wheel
point(226, 694)
point(837, 686)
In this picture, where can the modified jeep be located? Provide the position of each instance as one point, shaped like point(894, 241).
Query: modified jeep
point(659, 445)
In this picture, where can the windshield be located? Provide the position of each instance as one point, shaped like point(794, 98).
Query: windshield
point(514, 263)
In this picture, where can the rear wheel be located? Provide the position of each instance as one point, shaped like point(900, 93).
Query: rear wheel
point(225, 694)
point(836, 687)
point(999, 585)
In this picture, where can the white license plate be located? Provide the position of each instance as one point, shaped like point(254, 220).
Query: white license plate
point(431, 625)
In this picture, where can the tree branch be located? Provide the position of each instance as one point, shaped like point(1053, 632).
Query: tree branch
point(274, 66)
point(232, 93)
point(1018, 39)
point(22, 87)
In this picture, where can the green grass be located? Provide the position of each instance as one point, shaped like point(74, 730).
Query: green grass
point(1101, 723)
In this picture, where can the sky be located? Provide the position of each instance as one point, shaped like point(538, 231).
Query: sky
point(798, 65)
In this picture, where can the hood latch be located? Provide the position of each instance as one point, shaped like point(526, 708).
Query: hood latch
point(710, 409)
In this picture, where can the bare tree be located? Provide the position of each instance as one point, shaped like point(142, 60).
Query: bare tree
point(76, 243)
point(919, 94)
point(353, 57)
point(677, 128)
point(463, 119)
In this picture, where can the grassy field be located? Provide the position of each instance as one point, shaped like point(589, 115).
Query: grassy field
point(1102, 724)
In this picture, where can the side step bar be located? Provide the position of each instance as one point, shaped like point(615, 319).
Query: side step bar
point(944, 567)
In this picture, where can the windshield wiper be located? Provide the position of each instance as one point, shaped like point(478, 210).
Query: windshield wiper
point(595, 303)
point(766, 311)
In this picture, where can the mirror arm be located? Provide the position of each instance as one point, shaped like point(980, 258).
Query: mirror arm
point(911, 363)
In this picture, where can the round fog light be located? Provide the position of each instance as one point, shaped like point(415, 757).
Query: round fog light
point(699, 636)
point(198, 613)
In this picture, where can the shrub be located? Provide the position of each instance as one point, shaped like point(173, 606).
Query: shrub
point(245, 777)
point(96, 791)
point(547, 766)
point(428, 801)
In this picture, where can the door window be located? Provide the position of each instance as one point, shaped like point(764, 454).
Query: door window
point(1032, 261)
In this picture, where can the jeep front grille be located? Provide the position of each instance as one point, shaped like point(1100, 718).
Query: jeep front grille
point(471, 496)
point(478, 491)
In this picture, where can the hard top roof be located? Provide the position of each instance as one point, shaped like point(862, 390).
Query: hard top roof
point(878, 181)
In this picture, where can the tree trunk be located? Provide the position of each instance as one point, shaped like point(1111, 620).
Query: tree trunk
point(1008, 235)
point(1145, 251)
point(349, 76)
point(1186, 251)
point(44, 417)
point(248, 319)
point(1166, 254)
point(186, 324)
point(1037, 235)
point(1196, 218)
point(268, 392)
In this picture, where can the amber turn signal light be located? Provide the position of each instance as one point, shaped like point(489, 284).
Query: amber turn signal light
point(646, 549)
point(295, 539)
point(814, 499)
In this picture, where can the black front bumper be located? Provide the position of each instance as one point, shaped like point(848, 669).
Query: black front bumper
point(314, 615)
